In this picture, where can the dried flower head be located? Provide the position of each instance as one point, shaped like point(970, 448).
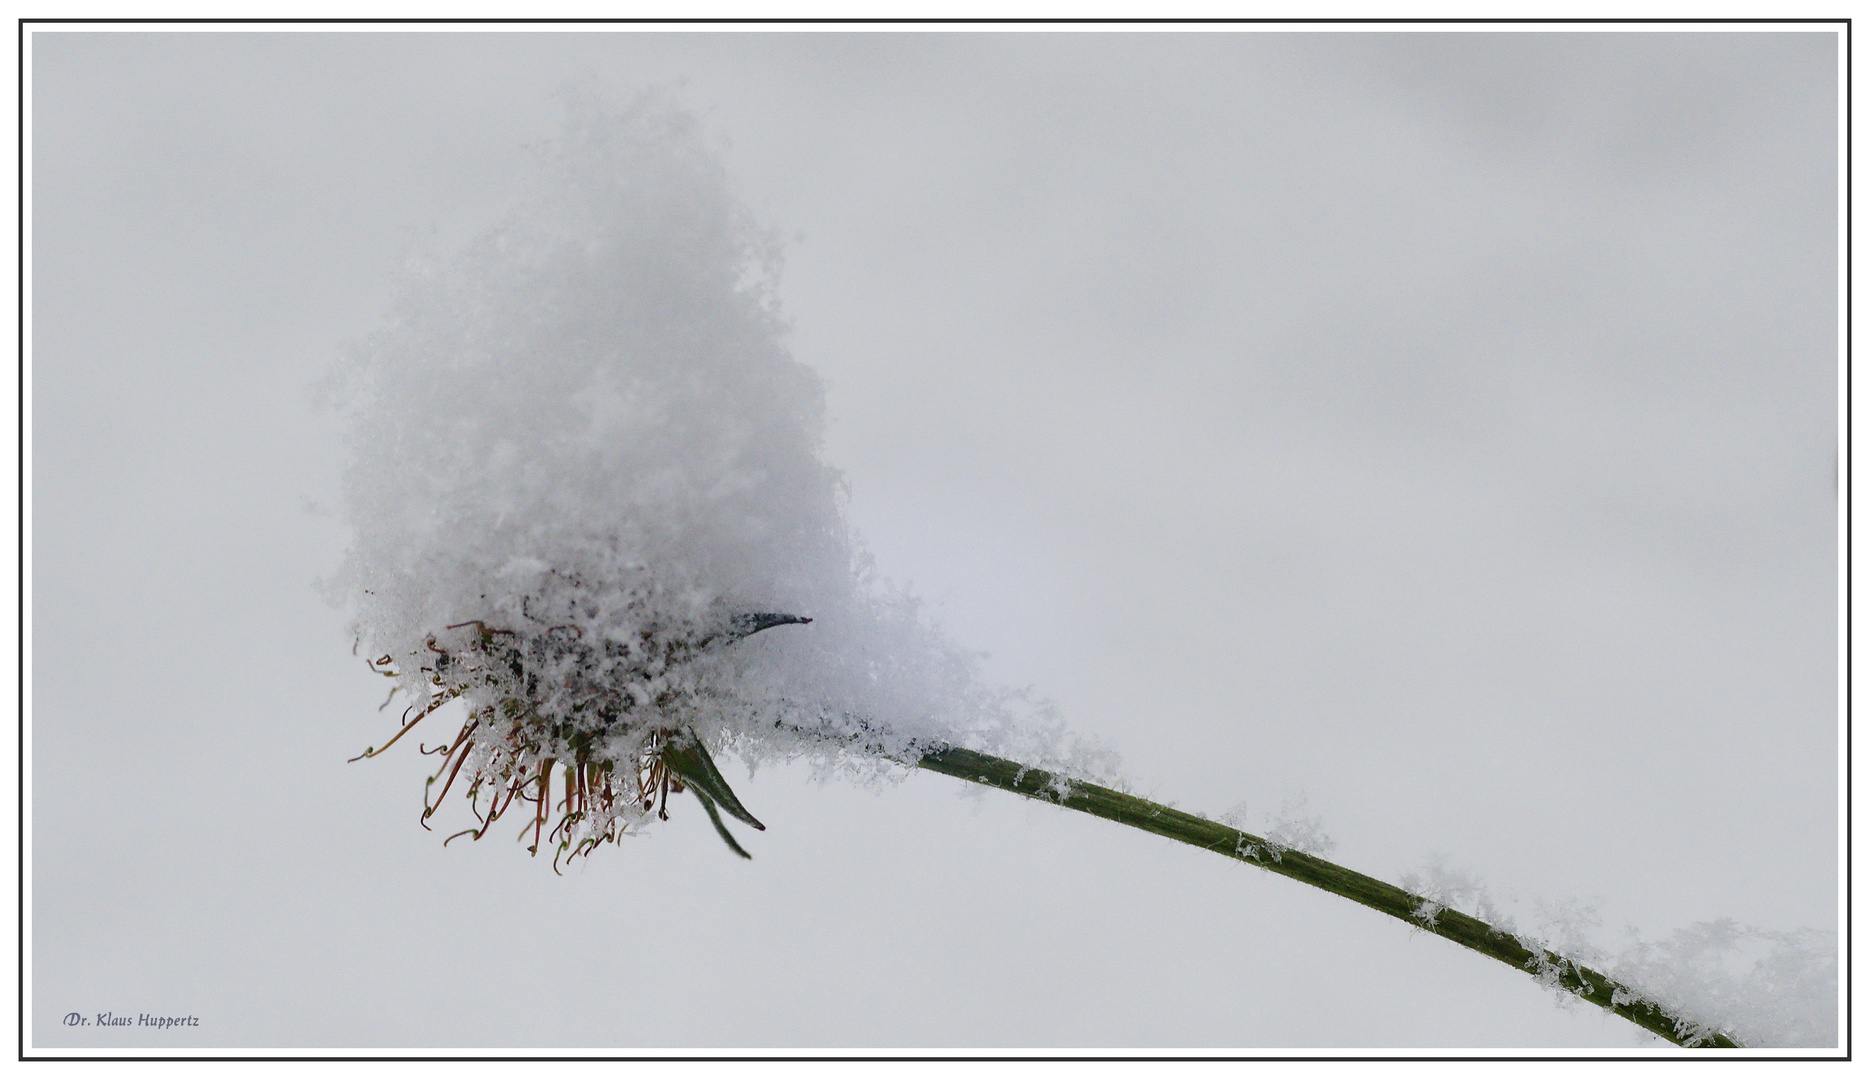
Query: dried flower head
point(602, 707)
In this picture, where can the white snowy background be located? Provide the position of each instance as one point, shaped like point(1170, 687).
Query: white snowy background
point(1439, 428)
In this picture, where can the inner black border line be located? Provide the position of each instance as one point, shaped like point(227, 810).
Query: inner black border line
point(908, 21)
point(1844, 301)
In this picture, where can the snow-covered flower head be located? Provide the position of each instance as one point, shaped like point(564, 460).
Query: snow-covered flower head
point(589, 502)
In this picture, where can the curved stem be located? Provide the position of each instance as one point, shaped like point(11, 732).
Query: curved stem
point(1550, 967)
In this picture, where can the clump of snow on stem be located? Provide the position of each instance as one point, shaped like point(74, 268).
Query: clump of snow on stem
point(1761, 988)
point(582, 448)
point(1442, 887)
point(1766, 988)
point(1291, 829)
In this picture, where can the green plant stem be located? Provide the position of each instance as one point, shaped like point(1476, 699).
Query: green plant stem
point(1461, 929)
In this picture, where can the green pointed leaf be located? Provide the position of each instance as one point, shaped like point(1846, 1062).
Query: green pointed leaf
point(715, 816)
point(688, 759)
